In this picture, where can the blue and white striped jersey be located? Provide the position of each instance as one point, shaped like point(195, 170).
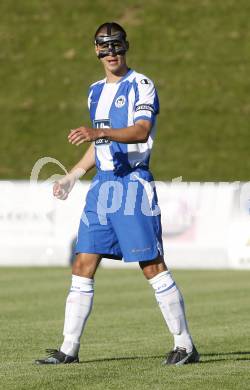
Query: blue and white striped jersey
point(119, 105)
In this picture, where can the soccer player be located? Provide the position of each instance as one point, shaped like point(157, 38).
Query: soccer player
point(121, 217)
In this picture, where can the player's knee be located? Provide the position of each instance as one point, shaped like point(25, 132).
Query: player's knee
point(153, 267)
point(85, 265)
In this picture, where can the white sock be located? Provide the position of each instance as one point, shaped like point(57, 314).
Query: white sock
point(171, 304)
point(78, 307)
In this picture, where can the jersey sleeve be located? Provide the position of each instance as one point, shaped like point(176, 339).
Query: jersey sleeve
point(146, 100)
point(90, 92)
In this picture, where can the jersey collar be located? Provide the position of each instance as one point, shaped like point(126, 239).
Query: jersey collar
point(123, 77)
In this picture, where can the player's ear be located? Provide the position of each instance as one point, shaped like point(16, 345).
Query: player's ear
point(96, 50)
point(127, 45)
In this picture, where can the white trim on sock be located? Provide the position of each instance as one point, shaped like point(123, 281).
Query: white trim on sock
point(163, 283)
point(80, 283)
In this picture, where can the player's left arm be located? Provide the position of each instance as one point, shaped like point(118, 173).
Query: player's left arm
point(146, 108)
point(138, 133)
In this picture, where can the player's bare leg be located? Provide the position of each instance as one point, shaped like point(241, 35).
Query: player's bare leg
point(86, 264)
point(171, 304)
point(153, 267)
point(78, 308)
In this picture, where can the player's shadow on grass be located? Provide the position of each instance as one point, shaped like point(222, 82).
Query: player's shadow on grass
point(226, 356)
point(226, 353)
point(123, 358)
point(232, 356)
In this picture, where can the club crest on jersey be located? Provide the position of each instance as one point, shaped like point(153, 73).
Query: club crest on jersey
point(120, 101)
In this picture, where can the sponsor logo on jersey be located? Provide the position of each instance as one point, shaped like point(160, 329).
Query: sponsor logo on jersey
point(145, 107)
point(102, 124)
point(120, 101)
point(102, 141)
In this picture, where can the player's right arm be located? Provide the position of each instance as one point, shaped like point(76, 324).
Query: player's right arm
point(62, 187)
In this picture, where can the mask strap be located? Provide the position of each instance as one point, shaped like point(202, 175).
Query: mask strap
point(109, 28)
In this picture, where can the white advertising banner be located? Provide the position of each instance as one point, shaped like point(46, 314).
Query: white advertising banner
point(205, 225)
point(196, 220)
point(36, 228)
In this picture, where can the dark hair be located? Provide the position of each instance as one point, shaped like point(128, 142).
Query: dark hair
point(109, 28)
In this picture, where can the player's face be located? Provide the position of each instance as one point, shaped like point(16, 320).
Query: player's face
point(114, 63)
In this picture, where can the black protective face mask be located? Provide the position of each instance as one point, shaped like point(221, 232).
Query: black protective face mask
point(114, 44)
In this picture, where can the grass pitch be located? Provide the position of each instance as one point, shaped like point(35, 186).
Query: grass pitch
point(125, 338)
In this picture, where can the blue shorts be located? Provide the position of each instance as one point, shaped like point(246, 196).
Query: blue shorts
point(121, 217)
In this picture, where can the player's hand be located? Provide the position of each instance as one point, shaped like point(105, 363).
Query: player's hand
point(62, 187)
point(83, 134)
